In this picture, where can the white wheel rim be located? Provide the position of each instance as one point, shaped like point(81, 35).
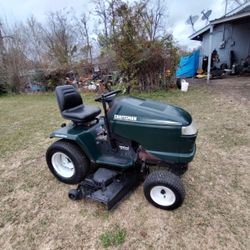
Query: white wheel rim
point(63, 165)
point(162, 195)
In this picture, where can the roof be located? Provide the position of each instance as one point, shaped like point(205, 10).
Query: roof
point(236, 14)
point(242, 8)
point(198, 34)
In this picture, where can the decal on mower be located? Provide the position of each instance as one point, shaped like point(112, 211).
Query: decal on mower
point(126, 148)
point(125, 118)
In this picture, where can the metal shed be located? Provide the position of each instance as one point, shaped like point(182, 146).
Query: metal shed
point(228, 35)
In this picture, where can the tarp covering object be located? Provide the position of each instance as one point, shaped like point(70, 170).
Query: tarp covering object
point(188, 65)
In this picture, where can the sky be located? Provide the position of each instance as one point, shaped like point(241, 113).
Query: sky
point(177, 11)
point(180, 10)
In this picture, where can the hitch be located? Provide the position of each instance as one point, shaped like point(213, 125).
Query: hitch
point(144, 171)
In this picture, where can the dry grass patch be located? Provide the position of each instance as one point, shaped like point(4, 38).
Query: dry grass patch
point(35, 212)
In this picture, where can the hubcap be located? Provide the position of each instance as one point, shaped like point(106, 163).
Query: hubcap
point(63, 165)
point(162, 195)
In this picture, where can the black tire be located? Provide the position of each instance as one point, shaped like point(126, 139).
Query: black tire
point(162, 182)
point(74, 194)
point(179, 169)
point(80, 163)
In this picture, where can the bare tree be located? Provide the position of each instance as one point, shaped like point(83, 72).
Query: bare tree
point(3, 68)
point(59, 38)
point(83, 30)
point(112, 14)
point(152, 17)
point(17, 62)
point(129, 35)
point(34, 36)
point(101, 11)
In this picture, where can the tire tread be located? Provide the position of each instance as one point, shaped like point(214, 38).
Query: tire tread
point(168, 179)
point(78, 156)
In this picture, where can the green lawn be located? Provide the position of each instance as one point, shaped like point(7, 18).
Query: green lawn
point(35, 212)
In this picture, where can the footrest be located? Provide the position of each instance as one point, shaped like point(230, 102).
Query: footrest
point(114, 161)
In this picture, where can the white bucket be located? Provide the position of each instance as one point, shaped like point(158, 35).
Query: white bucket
point(184, 85)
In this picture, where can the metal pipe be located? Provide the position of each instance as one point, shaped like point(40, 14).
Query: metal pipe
point(109, 134)
point(210, 52)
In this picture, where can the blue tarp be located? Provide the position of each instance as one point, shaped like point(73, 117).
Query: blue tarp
point(188, 65)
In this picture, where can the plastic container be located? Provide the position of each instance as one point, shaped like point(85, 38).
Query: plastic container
point(184, 85)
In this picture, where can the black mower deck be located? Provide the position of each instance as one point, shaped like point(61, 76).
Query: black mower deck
point(107, 186)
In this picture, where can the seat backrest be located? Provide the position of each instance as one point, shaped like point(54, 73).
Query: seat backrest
point(67, 97)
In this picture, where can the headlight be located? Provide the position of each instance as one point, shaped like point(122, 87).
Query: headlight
point(189, 130)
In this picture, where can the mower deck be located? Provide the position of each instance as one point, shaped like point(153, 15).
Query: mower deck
point(107, 186)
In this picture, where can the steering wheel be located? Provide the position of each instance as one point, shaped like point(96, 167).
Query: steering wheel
point(104, 96)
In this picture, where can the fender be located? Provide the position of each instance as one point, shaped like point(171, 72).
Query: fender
point(84, 137)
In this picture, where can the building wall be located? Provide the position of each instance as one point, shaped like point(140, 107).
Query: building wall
point(241, 36)
point(236, 37)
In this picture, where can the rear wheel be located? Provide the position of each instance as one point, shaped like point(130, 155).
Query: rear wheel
point(67, 162)
point(164, 190)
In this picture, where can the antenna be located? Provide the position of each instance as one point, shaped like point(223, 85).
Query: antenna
point(206, 15)
point(191, 20)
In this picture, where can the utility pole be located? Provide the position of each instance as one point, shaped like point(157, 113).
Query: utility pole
point(210, 52)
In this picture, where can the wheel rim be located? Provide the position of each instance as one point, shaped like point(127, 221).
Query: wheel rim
point(162, 195)
point(63, 165)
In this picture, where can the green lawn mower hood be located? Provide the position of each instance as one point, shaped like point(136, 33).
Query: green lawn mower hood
point(164, 130)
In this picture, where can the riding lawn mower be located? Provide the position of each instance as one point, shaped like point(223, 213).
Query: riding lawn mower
point(109, 155)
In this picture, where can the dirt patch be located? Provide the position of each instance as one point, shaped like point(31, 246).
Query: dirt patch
point(231, 87)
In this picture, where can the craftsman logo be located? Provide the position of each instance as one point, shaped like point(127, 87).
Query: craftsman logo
point(125, 118)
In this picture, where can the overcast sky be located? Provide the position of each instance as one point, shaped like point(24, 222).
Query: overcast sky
point(178, 12)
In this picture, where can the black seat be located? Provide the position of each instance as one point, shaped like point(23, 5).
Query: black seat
point(71, 105)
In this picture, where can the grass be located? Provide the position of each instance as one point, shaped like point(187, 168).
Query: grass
point(27, 118)
point(35, 212)
point(115, 237)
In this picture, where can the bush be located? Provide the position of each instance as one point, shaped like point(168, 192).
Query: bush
point(3, 89)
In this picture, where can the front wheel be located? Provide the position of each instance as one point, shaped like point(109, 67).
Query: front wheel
point(164, 190)
point(67, 162)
